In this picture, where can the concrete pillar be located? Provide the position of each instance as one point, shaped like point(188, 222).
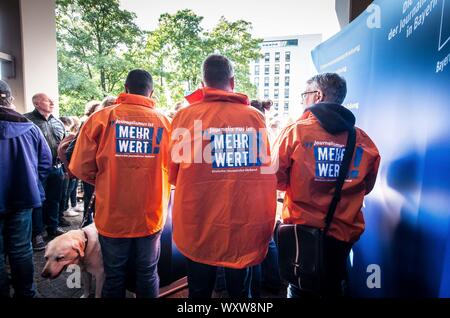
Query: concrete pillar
point(349, 10)
point(40, 69)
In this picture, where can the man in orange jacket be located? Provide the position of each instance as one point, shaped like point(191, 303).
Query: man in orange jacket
point(123, 150)
point(224, 208)
point(310, 152)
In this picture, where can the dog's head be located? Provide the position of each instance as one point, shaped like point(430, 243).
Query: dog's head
point(62, 251)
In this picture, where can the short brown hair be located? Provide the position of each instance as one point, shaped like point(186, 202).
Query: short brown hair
point(217, 71)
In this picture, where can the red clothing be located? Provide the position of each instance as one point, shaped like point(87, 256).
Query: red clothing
point(224, 208)
point(308, 159)
point(123, 150)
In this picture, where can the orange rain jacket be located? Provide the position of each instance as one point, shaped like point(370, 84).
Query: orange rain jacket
point(309, 157)
point(224, 207)
point(123, 150)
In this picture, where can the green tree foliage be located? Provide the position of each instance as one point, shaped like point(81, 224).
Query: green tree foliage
point(233, 39)
point(179, 45)
point(98, 43)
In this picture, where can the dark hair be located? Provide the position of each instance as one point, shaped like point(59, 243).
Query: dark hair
point(5, 94)
point(91, 107)
point(262, 106)
point(217, 71)
point(67, 121)
point(333, 86)
point(139, 82)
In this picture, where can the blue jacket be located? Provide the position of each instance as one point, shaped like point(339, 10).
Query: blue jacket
point(25, 161)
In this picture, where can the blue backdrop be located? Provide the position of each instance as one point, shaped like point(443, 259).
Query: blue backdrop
point(396, 60)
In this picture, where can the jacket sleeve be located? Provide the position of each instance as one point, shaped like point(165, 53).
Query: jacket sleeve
point(71, 147)
point(282, 152)
point(174, 164)
point(372, 175)
point(83, 163)
point(44, 156)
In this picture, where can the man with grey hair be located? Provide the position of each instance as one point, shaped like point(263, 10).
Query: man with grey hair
point(25, 160)
point(224, 207)
point(310, 152)
point(327, 87)
point(54, 132)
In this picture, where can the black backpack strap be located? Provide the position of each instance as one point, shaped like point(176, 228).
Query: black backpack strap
point(343, 172)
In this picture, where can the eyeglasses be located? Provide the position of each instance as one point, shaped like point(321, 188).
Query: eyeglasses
point(306, 93)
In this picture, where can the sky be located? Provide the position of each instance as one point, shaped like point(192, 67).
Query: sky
point(268, 17)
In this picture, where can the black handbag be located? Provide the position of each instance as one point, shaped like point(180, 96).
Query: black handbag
point(301, 247)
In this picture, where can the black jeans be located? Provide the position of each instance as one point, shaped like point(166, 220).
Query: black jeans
point(63, 203)
point(88, 192)
point(49, 213)
point(266, 274)
point(202, 277)
point(335, 271)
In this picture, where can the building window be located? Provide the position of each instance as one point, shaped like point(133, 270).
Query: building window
point(286, 106)
point(256, 81)
point(275, 105)
point(286, 93)
point(256, 69)
point(266, 81)
point(257, 61)
point(267, 57)
point(266, 93)
point(287, 56)
point(277, 57)
point(287, 69)
point(277, 81)
point(277, 68)
point(266, 70)
point(7, 66)
point(276, 93)
point(286, 81)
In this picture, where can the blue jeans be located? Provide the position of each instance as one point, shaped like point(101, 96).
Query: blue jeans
point(49, 213)
point(15, 241)
point(72, 193)
point(142, 253)
point(202, 277)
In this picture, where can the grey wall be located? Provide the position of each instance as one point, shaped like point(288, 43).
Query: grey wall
point(11, 43)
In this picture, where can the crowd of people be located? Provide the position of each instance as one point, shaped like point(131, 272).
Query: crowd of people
point(226, 162)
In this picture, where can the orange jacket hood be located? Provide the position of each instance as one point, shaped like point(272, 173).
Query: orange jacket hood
point(224, 209)
point(209, 95)
point(123, 151)
point(309, 157)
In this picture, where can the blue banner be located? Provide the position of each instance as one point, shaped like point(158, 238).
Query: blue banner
point(396, 60)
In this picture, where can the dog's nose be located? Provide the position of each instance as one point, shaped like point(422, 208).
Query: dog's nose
point(45, 274)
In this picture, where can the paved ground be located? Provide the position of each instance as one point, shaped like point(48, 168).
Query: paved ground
point(56, 288)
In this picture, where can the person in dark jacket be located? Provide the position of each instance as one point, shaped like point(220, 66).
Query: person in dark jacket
point(25, 160)
point(54, 132)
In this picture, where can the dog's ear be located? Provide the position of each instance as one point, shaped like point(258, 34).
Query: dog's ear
point(78, 245)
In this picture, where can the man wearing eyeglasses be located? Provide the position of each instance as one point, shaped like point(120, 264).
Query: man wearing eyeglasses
point(310, 152)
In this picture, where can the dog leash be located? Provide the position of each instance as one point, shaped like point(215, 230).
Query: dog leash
point(90, 209)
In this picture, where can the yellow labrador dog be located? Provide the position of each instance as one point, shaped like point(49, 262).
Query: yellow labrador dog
point(80, 247)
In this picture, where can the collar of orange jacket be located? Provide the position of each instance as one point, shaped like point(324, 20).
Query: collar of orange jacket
point(208, 94)
point(306, 114)
point(133, 99)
